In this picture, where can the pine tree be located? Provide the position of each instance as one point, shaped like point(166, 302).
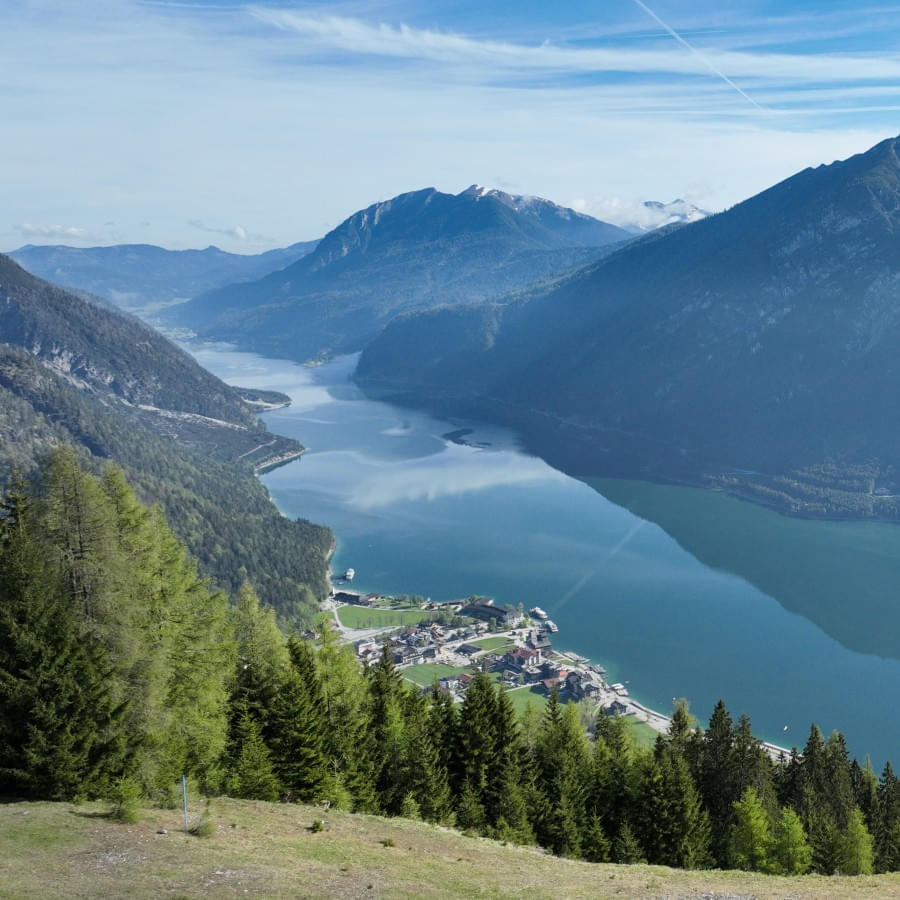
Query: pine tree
point(750, 840)
point(716, 781)
point(252, 776)
point(505, 800)
point(596, 846)
point(425, 780)
point(261, 657)
point(887, 833)
point(627, 849)
point(791, 853)
point(477, 737)
point(838, 788)
point(348, 737)
point(856, 846)
point(564, 776)
point(386, 695)
point(298, 730)
point(59, 732)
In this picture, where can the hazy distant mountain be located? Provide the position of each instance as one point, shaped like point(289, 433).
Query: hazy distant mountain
point(759, 346)
point(75, 372)
point(135, 275)
point(413, 252)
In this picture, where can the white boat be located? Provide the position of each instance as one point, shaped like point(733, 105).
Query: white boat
point(552, 627)
point(537, 612)
point(349, 575)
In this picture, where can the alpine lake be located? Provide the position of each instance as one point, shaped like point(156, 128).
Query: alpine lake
point(678, 592)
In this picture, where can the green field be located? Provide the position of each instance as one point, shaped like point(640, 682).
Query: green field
point(58, 850)
point(643, 734)
point(492, 643)
point(522, 697)
point(427, 673)
point(363, 617)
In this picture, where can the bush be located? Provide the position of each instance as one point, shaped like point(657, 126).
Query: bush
point(126, 798)
point(206, 827)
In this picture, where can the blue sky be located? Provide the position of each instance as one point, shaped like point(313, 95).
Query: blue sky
point(255, 125)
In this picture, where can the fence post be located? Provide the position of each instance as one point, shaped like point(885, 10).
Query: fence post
point(184, 796)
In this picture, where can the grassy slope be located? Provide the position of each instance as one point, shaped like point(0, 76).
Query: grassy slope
point(57, 850)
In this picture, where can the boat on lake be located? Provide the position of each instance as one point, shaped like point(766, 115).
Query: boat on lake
point(537, 612)
point(552, 627)
point(349, 575)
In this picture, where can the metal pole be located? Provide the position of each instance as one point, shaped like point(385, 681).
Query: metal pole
point(184, 795)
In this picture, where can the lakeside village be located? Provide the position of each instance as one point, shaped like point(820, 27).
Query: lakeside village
point(447, 642)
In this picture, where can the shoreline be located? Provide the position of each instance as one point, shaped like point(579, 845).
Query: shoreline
point(643, 711)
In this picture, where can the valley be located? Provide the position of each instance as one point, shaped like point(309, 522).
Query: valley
point(682, 592)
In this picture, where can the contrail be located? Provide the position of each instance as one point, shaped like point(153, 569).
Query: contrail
point(569, 594)
point(696, 53)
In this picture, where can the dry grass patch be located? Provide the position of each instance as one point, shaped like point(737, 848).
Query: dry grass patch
point(268, 850)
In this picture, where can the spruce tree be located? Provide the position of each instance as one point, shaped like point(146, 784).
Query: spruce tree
point(627, 848)
point(887, 833)
point(252, 776)
point(298, 730)
point(348, 737)
point(716, 780)
point(477, 738)
point(386, 696)
point(505, 800)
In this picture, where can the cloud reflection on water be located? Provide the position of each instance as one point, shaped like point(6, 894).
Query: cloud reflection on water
point(379, 483)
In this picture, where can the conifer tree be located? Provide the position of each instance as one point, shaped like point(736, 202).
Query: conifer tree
point(425, 780)
point(596, 846)
point(59, 731)
point(348, 737)
point(476, 736)
point(887, 835)
point(252, 776)
point(627, 848)
point(716, 782)
point(750, 840)
point(856, 846)
point(261, 658)
point(386, 696)
point(298, 730)
point(564, 776)
point(837, 787)
point(791, 853)
point(505, 800)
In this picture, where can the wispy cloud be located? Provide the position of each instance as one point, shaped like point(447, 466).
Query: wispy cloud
point(69, 232)
point(355, 36)
point(235, 231)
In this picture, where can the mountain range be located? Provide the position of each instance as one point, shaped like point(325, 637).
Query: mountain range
point(755, 349)
point(136, 276)
point(412, 252)
point(77, 373)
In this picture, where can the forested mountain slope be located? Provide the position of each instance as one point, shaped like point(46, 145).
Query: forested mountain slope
point(412, 252)
point(72, 372)
point(137, 275)
point(757, 346)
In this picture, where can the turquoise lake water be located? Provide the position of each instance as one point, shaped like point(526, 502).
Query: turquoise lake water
point(680, 592)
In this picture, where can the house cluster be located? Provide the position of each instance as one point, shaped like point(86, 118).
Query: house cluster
point(356, 598)
point(484, 610)
point(420, 643)
point(530, 663)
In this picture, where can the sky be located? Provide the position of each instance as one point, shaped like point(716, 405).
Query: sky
point(254, 125)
